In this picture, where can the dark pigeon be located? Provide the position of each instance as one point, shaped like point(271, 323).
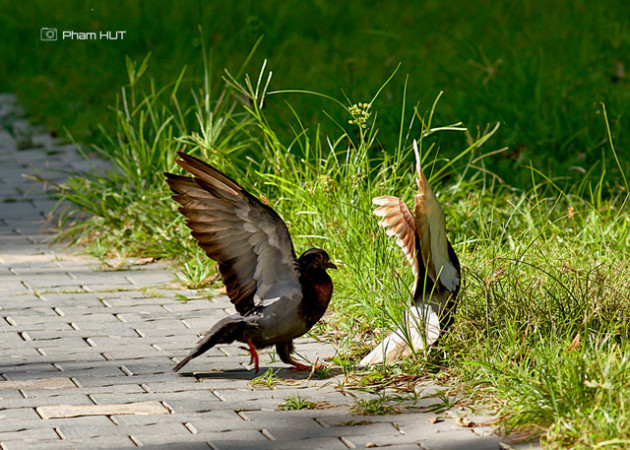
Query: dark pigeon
point(277, 296)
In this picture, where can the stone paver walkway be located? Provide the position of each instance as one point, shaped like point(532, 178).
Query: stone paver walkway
point(86, 354)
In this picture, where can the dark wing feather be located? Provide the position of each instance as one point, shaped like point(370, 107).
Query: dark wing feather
point(247, 238)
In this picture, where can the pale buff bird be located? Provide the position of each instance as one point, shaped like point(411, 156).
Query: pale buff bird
point(422, 237)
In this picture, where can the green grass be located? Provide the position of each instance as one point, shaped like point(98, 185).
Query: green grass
point(268, 379)
point(552, 278)
point(296, 403)
point(539, 69)
point(377, 406)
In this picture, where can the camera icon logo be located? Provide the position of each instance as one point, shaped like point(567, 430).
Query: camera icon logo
point(48, 34)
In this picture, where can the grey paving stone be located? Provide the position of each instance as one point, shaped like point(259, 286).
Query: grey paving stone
point(58, 343)
point(38, 313)
point(220, 364)
point(108, 442)
point(38, 326)
point(110, 370)
point(9, 394)
point(84, 427)
point(179, 445)
point(219, 421)
point(185, 401)
point(22, 300)
point(202, 324)
point(196, 305)
point(17, 416)
point(172, 386)
point(26, 368)
point(10, 338)
point(12, 286)
point(326, 443)
point(44, 281)
point(30, 434)
point(14, 365)
point(61, 354)
point(163, 433)
point(59, 399)
point(227, 439)
point(157, 364)
point(145, 312)
point(27, 267)
point(99, 381)
point(79, 309)
point(107, 330)
point(16, 425)
point(118, 390)
point(150, 278)
point(136, 351)
point(178, 417)
point(162, 332)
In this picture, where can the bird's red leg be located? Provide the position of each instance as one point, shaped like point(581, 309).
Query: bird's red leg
point(253, 355)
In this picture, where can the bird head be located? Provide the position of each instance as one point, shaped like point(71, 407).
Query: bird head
point(316, 258)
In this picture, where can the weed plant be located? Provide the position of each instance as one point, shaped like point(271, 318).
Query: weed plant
point(296, 403)
point(542, 326)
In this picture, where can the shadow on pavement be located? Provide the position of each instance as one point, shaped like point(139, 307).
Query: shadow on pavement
point(243, 374)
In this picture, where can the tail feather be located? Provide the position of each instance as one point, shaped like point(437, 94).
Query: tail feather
point(182, 363)
point(225, 331)
point(393, 347)
point(422, 329)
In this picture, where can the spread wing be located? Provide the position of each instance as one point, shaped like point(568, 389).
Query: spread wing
point(247, 238)
point(431, 226)
point(399, 222)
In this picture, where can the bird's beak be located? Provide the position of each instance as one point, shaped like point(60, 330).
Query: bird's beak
point(330, 265)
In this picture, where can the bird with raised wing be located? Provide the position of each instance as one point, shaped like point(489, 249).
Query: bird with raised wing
point(437, 275)
point(277, 296)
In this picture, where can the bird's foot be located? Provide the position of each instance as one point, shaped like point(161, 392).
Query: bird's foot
point(251, 355)
point(298, 366)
